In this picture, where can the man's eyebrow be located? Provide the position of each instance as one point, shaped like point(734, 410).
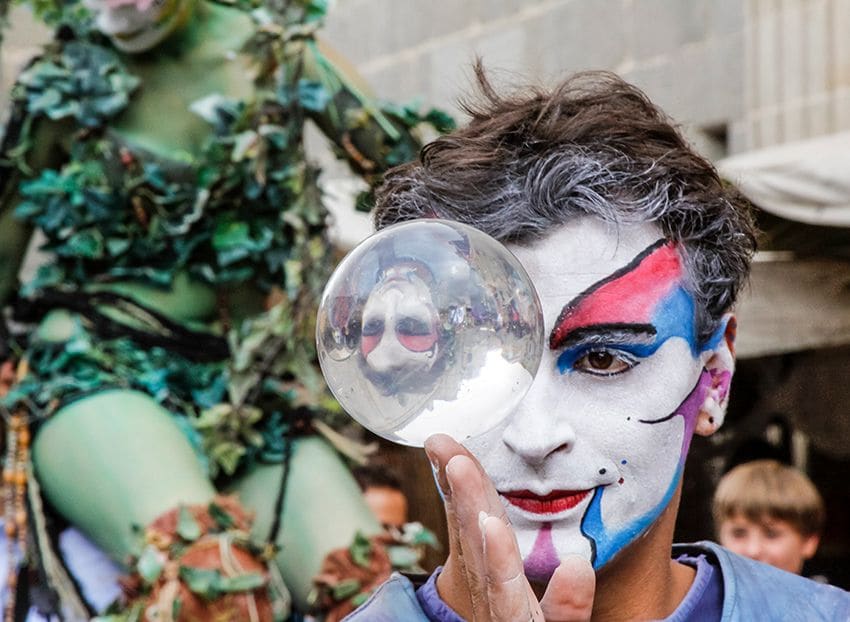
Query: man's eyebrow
point(640, 334)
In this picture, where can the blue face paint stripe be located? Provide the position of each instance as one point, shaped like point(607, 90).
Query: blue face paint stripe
point(604, 545)
point(716, 337)
point(674, 317)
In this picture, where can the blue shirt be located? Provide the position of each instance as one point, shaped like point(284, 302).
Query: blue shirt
point(749, 591)
point(702, 603)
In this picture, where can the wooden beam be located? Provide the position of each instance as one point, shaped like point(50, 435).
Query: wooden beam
point(794, 305)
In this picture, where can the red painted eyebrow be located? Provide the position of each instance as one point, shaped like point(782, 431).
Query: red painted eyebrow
point(625, 297)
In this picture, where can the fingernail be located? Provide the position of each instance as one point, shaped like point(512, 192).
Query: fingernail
point(444, 482)
point(482, 516)
point(431, 457)
point(435, 472)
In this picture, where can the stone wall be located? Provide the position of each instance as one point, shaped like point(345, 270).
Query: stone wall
point(686, 55)
point(739, 74)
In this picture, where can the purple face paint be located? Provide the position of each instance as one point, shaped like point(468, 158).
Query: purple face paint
point(543, 559)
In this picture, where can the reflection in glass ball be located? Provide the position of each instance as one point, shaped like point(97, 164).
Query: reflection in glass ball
point(429, 326)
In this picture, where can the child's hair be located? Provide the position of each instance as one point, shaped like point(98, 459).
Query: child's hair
point(767, 488)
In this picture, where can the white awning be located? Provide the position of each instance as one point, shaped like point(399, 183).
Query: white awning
point(806, 181)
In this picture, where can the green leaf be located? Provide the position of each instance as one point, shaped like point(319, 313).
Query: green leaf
point(245, 146)
point(441, 120)
point(222, 518)
point(116, 246)
point(241, 583)
point(45, 101)
point(312, 95)
point(233, 233)
point(360, 550)
point(201, 581)
point(207, 107)
point(227, 454)
point(316, 10)
point(345, 589)
point(212, 417)
point(150, 565)
point(403, 556)
point(187, 527)
point(360, 598)
point(84, 243)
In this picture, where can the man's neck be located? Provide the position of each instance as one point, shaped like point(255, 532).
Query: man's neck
point(642, 582)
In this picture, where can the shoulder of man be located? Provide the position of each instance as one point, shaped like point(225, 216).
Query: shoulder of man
point(756, 591)
point(394, 600)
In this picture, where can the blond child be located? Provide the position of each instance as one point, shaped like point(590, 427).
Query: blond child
point(769, 512)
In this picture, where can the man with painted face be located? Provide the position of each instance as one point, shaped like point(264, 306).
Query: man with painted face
point(637, 250)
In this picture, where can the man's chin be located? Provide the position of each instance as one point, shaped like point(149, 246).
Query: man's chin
point(543, 547)
point(539, 572)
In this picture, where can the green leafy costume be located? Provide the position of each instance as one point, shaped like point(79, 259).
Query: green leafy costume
point(181, 288)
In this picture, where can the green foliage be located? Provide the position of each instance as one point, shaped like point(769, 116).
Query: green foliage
point(79, 364)
point(248, 209)
point(83, 81)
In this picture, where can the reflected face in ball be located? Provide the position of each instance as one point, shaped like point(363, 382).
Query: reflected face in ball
point(400, 323)
point(595, 451)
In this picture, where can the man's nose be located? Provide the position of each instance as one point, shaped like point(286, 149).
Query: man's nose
point(536, 429)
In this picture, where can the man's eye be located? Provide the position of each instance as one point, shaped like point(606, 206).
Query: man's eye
point(604, 363)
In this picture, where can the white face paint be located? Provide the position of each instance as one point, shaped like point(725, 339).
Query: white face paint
point(594, 452)
point(400, 329)
point(138, 25)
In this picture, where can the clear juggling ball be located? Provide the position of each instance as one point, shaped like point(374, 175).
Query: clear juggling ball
point(429, 326)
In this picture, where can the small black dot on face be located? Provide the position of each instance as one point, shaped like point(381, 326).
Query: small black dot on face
point(711, 419)
point(623, 461)
point(603, 471)
point(628, 418)
point(620, 481)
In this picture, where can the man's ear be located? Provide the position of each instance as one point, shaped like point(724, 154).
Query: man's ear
point(721, 366)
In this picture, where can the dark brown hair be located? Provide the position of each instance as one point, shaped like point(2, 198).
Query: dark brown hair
point(532, 160)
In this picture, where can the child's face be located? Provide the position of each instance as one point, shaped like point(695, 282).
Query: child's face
point(769, 540)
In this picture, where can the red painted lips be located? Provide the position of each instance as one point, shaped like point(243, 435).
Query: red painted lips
point(556, 501)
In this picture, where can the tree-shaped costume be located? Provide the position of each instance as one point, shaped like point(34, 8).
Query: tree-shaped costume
point(165, 354)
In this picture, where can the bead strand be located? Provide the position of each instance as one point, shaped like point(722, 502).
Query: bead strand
point(14, 498)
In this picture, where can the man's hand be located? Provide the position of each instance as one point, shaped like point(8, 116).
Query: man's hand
point(483, 577)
